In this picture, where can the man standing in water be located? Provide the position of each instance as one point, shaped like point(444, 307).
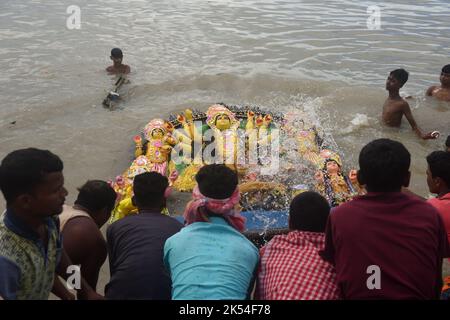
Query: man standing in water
point(442, 92)
point(117, 67)
point(395, 106)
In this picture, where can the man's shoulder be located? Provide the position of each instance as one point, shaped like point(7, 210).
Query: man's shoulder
point(81, 224)
point(8, 239)
point(135, 219)
point(401, 104)
point(11, 244)
point(425, 207)
point(119, 224)
point(83, 231)
point(418, 203)
point(354, 205)
point(431, 89)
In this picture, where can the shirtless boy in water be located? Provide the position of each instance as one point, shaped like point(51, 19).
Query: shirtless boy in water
point(117, 67)
point(442, 92)
point(395, 106)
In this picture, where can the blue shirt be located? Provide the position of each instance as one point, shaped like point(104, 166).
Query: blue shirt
point(27, 268)
point(210, 261)
point(135, 245)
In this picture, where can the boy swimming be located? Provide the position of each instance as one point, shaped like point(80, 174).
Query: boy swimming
point(395, 106)
point(117, 67)
point(442, 92)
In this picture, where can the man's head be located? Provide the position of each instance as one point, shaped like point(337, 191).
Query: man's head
point(438, 171)
point(32, 182)
point(216, 181)
point(396, 79)
point(99, 198)
point(447, 144)
point(149, 189)
point(116, 55)
point(309, 212)
point(384, 166)
point(445, 76)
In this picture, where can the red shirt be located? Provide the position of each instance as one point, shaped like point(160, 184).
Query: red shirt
point(442, 205)
point(292, 269)
point(402, 235)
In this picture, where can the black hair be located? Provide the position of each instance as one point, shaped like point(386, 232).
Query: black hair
point(439, 164)
point(309, 212)
point(447, 142)
point(216, 181)
point(116, 53)
point(401, 75)
point(22, 170)
point(149, 188)
point(95, 195)
point(384, 165)
point(446, 68)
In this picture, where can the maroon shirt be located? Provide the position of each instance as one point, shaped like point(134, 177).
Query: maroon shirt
point(402, 235)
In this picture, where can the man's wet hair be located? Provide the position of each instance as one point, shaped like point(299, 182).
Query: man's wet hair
point(309, 212)
point(21, 171)
point(446, 68)
point(95, 195)
point(149, 188)
point(116, 53)
point(401, 75)
point(216, 181)
point(384, 165)
point(439, 164)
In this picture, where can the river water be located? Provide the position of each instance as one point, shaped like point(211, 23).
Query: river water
point(319, 57)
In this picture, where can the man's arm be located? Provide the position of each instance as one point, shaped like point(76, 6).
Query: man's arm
point(60, 290)
point(430, 91)
point(110, 244)
point(444, 252)
point(408, 114)
point(85, 246)
point(9, 279)
point(328, 252)
point(257, 296)
point(409, 192)
point(86, 291)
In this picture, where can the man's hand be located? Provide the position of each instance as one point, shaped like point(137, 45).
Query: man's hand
point(430, 135)
point(68, 296)
point(60, 290)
